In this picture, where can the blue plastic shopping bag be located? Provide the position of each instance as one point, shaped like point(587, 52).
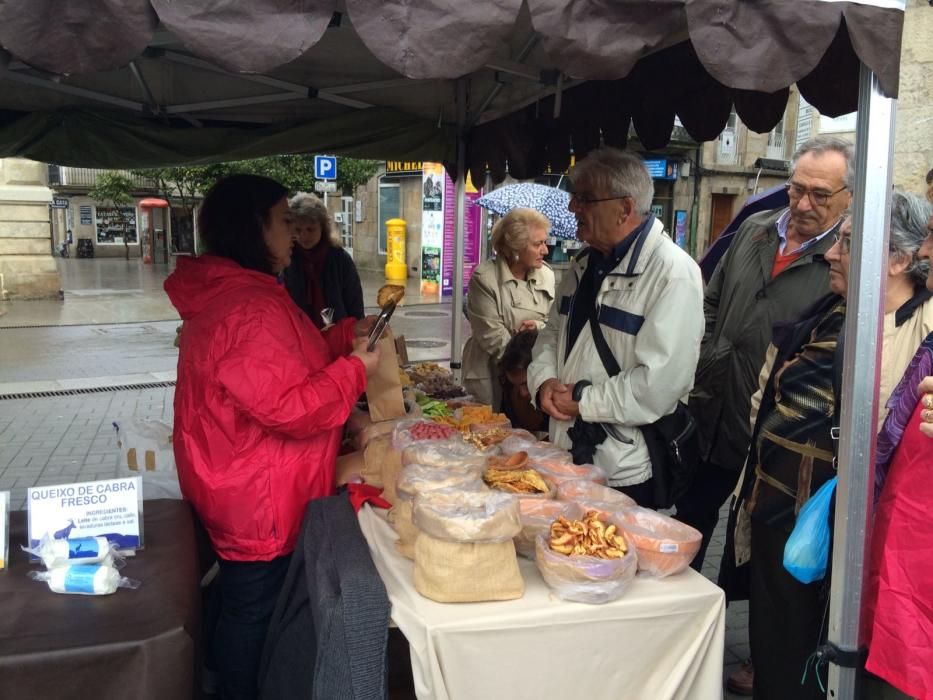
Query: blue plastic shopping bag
point(807, 550)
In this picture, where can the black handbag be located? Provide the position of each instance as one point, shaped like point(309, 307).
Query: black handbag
point(672, 441)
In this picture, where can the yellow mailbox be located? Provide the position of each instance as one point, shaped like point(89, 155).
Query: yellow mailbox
point(396, 267)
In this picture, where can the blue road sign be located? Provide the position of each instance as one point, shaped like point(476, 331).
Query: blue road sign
point(325, 167)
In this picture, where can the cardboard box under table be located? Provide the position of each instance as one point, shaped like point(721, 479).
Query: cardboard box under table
point(141, 643)
point(662, 639)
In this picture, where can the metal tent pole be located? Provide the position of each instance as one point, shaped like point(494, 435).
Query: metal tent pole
point(858, 425)
point(456, 321)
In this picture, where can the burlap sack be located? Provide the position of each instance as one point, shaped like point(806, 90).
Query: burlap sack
point(374, 457)
point(416, 478)
point(407, 532)
point(466, 572)
point(382, 466)
point(467, 516)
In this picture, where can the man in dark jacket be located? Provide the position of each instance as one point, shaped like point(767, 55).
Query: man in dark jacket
point(773, 271)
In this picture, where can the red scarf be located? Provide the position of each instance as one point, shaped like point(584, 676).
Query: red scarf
point(312, 266)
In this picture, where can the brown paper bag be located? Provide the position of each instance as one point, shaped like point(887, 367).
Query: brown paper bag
point(466, 572)
point(389, 465)
point(384, 390)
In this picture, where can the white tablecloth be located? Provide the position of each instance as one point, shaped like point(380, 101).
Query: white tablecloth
point(662, 639)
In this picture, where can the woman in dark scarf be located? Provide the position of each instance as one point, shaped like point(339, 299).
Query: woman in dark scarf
point(322, 274)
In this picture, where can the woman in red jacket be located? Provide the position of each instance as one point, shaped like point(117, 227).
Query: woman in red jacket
point(260, 403)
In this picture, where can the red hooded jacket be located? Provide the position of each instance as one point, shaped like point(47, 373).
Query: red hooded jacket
point(260, 403)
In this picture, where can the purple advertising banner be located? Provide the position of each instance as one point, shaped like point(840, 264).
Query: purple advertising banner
point(472, 223)
point(680, 228)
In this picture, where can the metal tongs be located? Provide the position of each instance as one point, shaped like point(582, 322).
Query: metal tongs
point(380, 325)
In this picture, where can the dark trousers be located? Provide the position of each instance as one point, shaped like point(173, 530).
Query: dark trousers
point(249, 591)
point(699, 507)
point(786, 621)
point(643, 493)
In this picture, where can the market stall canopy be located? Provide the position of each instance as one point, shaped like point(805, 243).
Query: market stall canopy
point(118, 83)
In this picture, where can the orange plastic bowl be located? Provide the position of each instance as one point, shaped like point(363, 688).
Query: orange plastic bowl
point(665, 546)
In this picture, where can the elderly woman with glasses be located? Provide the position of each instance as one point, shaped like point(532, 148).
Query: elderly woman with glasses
point(791, 453)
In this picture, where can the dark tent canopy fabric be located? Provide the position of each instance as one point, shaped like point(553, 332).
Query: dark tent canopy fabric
point(118, 83)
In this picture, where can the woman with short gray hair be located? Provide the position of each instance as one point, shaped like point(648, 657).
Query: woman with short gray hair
point(908, 311)
point(322, 278)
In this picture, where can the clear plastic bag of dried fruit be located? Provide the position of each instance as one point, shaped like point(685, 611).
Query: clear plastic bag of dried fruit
point(453, 452)
point(587, 491)
point(585, 579)
point(408, 432)
point(537, 514)
point(559, 472)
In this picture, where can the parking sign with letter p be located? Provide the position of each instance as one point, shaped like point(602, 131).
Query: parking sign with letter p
point(325, 167)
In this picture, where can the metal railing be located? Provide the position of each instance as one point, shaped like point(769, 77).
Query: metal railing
point(66, 176)
point(776, 145)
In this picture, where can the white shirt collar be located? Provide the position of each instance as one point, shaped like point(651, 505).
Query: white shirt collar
point(784, 221)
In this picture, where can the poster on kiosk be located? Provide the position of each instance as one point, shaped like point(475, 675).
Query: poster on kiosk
point(439, 227)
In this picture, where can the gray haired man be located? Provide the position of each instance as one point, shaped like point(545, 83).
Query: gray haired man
point(643, 295)
point(773, 271)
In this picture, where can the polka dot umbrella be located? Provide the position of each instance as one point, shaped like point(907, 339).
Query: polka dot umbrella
point(550, 201)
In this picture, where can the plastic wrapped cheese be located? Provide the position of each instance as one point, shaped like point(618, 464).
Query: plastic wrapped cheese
point(75, 550)
point(84, 579)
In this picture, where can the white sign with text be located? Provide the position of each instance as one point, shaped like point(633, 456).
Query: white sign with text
point(111, 508)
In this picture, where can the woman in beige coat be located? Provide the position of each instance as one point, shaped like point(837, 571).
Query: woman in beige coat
point(510, 293)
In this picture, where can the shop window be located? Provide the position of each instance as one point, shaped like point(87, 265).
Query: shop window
point(390, 207)
point(110, 225)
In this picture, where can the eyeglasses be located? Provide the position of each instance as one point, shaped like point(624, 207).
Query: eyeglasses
point(818, 198)
point(584, 201)
point(845, 242)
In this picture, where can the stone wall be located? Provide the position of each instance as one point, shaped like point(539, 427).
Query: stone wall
point(27, 268)
point(913, 139)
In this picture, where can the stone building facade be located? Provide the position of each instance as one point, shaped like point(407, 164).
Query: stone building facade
point(27, 268)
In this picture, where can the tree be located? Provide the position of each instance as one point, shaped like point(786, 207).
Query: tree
point(113, 189)
point(295, 172)
point(187, 183)
point(353, 172)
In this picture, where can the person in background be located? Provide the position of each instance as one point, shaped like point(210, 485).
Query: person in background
point(512, 292)
point(773, 271)
point(897, 616)
point(644, 295)
point(260, 403)
point(322, 274)
point(930, 186)
point(513, 378)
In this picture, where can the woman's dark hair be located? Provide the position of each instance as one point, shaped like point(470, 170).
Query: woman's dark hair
point(517, 354)
point(233, 215)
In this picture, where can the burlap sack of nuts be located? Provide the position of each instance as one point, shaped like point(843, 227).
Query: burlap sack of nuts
point(415, 479)
point(381, 465)
point(466, 572)
point(456, 569)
